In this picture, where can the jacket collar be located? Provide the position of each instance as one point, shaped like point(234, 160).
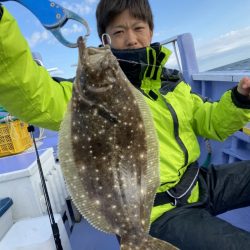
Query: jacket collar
point(144, 66)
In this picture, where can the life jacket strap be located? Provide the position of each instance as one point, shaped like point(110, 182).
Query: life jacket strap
point(179, 194)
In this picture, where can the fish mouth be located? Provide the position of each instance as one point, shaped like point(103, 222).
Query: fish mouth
point(102, 59)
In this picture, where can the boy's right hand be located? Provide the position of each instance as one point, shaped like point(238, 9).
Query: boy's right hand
point(244, 87)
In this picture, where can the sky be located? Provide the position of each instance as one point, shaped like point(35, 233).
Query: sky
point(220, 30)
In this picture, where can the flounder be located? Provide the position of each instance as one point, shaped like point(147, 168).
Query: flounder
point(108, 150)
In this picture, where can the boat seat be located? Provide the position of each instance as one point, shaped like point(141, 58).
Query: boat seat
point(5, 215)
point(34, 234)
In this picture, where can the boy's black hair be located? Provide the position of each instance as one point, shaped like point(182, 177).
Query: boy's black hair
point(107, 10)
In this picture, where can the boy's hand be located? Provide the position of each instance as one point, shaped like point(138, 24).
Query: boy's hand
point(244, 86)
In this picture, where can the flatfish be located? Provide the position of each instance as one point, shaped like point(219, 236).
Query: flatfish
point(108, 151)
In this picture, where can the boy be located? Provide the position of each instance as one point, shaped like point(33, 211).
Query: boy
point(188, 197)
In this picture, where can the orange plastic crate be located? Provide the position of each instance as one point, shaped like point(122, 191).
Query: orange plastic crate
point(14, 138)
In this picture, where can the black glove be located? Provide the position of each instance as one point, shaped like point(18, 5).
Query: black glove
point(240, 100)
point(1, 11)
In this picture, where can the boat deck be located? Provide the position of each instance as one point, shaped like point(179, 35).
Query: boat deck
point(85, 237)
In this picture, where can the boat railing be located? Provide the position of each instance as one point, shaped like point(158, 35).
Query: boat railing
point(185, 54)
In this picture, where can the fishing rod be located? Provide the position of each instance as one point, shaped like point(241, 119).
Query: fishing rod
point(53, 224)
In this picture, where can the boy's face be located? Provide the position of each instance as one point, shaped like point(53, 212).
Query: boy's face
point(127, 32)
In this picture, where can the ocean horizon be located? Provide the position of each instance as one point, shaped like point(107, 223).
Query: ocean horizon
point(243, 65)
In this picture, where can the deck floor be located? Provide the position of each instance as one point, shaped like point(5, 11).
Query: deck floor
point(85, 237)
point(238, 217)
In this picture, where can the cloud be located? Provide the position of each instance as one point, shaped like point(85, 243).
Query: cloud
point(75, 28)
point(57, 72)
point(83, 8)
point(38, 37)
point(229, 47)
point(160, 35)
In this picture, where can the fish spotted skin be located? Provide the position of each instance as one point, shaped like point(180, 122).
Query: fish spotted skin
point(108, 150)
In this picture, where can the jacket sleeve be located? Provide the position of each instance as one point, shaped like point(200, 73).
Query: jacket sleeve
point(218, 120)
point(26, 90)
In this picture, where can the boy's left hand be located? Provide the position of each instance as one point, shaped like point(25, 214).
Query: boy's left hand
point(244, 86)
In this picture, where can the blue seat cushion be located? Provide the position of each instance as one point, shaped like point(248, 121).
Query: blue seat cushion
point(5, 204)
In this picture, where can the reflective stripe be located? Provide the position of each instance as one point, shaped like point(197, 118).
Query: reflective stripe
point(158, 67)
point(150, 66)
point(176, 130)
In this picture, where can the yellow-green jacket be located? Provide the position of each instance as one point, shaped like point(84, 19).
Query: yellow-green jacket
point(28, 92)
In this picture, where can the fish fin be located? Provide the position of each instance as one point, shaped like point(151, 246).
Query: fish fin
point(73, 182)
point(147, 243)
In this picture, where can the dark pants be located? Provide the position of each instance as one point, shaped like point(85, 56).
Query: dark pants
point(194, 226)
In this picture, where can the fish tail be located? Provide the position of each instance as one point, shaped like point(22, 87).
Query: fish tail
point(147, 243)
